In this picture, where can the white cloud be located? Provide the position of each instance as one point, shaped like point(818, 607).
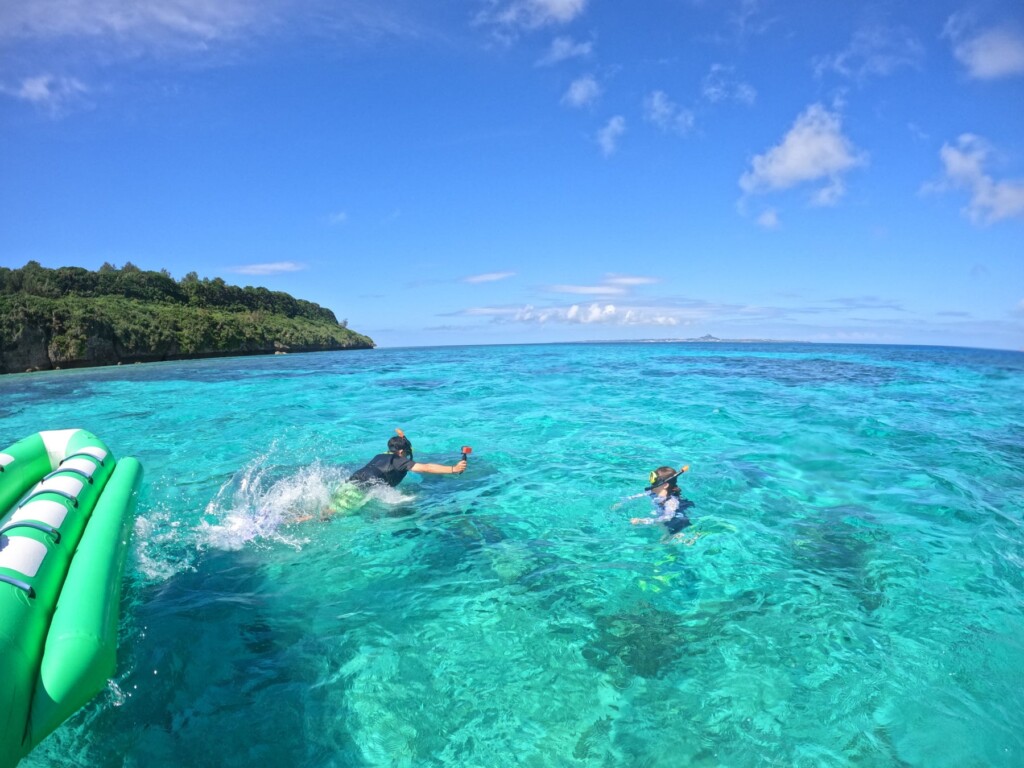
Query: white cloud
point(612, 285)
point(917, 132)
point(1020, 307)
point(488, 277)
point(749, 20)
point(272, 268)
point(661, 111)
point(582, 92)
point(992, 53)
point(127, 28)
point(874, 51)
point(609, 136)
point(151, 20)
point(769, 219)
point(578, 314)
point(495, 312)
point(813, 150)
point(991, 200)
point(588, 290)
point(49, 93)
point(629, 280)
point(563, 49)
point(531, 14)
point(721, 85)
point(338, 217)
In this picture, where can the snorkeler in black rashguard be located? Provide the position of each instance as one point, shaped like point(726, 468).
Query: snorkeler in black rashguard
point(383, 469)
point(391, 468)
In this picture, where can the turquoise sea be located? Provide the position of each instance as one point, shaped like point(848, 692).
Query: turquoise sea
point(856, 597)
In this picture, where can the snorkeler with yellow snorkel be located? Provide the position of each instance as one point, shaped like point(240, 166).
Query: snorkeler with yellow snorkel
point(669, 505)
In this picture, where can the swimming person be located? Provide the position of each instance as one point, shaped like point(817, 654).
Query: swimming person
point(385, 468)
point(392, 467)
point(669, 505)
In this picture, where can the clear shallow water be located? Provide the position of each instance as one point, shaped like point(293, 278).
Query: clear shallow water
point(857, 598)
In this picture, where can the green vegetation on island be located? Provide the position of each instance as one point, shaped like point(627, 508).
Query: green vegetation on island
point(72, 317)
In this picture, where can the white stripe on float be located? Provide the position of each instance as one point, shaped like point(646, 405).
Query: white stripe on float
point(42, 511)
point(21, 554)
point(69, 485)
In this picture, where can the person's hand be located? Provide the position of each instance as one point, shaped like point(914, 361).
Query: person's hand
point(459, 468)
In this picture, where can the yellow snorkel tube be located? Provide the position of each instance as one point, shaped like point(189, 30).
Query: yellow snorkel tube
point(656, 483)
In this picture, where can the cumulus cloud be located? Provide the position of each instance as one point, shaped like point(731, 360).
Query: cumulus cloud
point(563, 49)
point(814, 150)
point(665, 114)
point(595, 313)
point(488, 277)
point(531, 14)
point(272, 268)
point(49, 93)
point(609, 136)
point(720, 84)
point(582, 92)
point(874, 51)
point(991, 200)
point(989, 54)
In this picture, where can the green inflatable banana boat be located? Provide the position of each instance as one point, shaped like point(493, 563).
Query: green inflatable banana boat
point(66, 509)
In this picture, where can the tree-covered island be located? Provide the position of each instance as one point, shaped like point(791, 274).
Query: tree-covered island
point(72, 317)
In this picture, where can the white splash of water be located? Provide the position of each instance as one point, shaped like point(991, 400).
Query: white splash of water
point(156, 538)
point(254, 505)
point(260, 503)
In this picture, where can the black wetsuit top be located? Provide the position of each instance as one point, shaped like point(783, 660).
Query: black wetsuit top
point(387, 468)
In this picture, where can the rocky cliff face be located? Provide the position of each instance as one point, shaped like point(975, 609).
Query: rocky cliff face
point(27, 352)
point(35, 348)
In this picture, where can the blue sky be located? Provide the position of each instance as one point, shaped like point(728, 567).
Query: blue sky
point(491, 171)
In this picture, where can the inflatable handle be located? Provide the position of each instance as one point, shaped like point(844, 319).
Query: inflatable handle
point(47, 529)
point(22, 585)
point(57, 491)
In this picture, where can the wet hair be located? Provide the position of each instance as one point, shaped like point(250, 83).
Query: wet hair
point(398, 443)
point(661, 473)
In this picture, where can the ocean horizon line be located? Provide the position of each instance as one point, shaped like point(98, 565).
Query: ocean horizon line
point(698, 340)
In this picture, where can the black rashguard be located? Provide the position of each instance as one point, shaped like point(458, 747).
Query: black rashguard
point(387, 468)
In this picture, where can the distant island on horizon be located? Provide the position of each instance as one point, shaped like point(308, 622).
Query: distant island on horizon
point(71, 317)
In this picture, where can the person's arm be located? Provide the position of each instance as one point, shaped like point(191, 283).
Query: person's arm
point(666, 511)
point(439, 469)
